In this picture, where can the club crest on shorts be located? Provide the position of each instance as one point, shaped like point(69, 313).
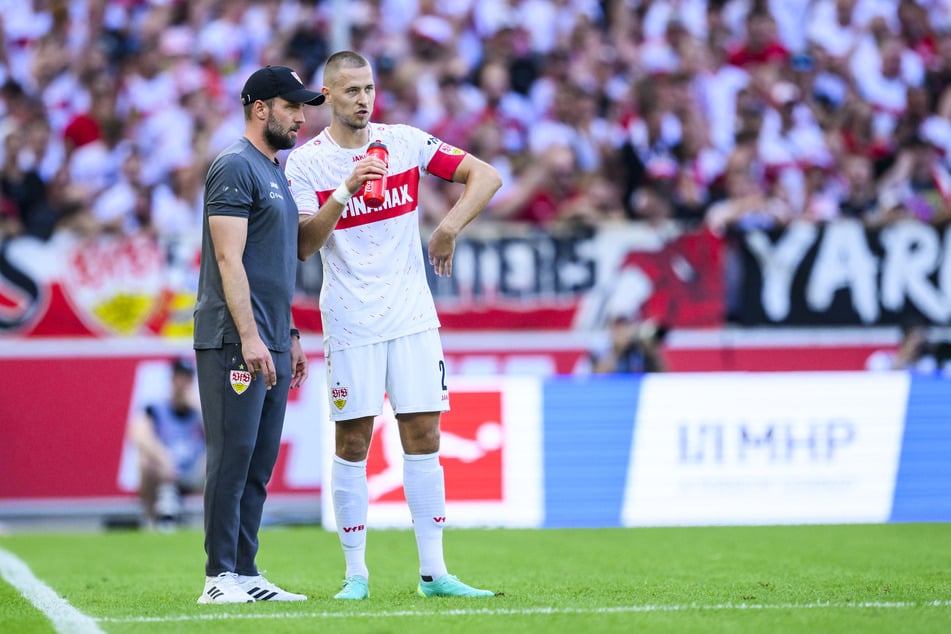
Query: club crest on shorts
point(338, 395)
point(240, 378)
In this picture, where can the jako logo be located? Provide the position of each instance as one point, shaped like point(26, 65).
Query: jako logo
point(353, 529)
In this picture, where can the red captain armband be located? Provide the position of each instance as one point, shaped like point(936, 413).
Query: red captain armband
point(445, 161)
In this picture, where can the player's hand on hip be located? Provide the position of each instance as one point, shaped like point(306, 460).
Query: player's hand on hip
point(298, 363)
point(441, 247)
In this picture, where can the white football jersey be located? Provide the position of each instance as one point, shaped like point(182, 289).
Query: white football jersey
point(374, 287)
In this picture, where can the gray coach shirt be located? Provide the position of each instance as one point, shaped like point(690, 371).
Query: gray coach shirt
point(243, 182)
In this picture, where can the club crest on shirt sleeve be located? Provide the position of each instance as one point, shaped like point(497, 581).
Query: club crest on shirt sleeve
point(445, 148)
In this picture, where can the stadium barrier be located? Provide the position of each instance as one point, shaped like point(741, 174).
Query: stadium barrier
point(529, 451)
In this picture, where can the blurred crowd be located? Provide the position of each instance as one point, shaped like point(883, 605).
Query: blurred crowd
point(729, 114)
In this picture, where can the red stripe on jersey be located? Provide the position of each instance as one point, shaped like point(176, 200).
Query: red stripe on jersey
point(445, 161)
point(402, 197)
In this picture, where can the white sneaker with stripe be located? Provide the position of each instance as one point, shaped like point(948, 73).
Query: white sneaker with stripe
point(260, 589)
point(224, 589)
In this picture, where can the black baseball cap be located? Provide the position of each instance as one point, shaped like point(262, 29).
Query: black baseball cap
point(278, 81)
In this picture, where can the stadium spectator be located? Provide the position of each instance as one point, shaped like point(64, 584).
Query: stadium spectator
point(25, 209)
point(123, 207)
point(916, 352)
point(457, 120)
point(554, 71)
point(649, 154)
point(574, 122)
point(825, 88)
point(170, 440)
point(860, 197)
point(761, 45)
point(789, 141)
point(16, 105)
point(938, 76)
point(596, 203)
point(700, 167)
point(96, 166)
point(512, 111)
point(836, 27)
point(541, 188)
point(42, 150)
point(883, 73)
point(821, 192)
point(507, 42)
point(633, 346)
point(914, 180)
point(175, 206)
point(85, 127)
point(748, 203)
point(855, 134)
point(487, 141)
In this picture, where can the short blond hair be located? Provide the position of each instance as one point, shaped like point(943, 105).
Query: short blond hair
point(339, 60)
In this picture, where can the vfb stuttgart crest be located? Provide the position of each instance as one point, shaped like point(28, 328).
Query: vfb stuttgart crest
point(339, 395)
point(240, 379)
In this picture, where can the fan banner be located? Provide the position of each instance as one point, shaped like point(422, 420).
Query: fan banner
point(120, 286)
point(843, 273)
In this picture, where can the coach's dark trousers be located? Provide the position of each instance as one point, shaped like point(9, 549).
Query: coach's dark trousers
point(243, 436)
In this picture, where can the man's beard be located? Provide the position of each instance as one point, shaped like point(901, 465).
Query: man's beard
point(356, 124)
point(276, 137)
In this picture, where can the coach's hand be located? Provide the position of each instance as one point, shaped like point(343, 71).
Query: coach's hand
point(259, 361)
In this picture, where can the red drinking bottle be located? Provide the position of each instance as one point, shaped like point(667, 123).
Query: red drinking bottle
point(374, 191)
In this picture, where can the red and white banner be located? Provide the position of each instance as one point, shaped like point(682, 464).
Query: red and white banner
point(112, 286)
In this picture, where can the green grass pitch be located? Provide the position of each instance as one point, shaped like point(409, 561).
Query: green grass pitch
point(893, 578)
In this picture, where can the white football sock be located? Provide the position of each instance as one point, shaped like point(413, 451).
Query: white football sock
point(348, 482)
point(425, 490)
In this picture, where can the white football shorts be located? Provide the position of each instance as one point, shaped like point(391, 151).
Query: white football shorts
point(410, 370)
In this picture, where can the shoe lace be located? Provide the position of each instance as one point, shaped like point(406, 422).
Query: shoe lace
point(267, 585)
point(264, 584)
point(227, 578)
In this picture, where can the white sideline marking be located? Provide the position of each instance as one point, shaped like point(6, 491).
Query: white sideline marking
point(685, 607)
point(66, 619)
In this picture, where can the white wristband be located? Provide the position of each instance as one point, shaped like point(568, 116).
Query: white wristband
point(342, 194)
